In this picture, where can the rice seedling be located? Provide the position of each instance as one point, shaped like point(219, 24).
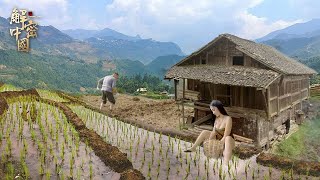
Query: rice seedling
point(291, 173)
point(253, 174)
point(71, 166)
point(26, 172)
point(220, 172)
point(167, 152)
point(48, 174)
point(187, 173)
point(307, 173)
point(9, 171)
point(149, 170)
point(172, 146)
point(246, 170)
point(62, 176)
point(270, 171)
point(229, 168)
point(160, 138)
point(41, 169)
point(233, 175)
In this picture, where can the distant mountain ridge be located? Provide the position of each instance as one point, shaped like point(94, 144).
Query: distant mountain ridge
point(59, 61)
point(162, 64)
point(300, 41)
point(306, 29)
point(106, 44)
point(122, 46)
point(299, 48)
point(83, 34)
point(126, 49)
point(157, 67)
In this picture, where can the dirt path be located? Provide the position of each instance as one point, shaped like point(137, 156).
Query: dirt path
point(158, 113)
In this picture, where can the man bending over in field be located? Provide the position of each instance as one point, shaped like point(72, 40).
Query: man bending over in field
point(107, 85)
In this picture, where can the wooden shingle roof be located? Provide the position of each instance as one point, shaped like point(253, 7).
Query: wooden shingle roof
point(265, 54)
point(270, 56)
point(229, 75)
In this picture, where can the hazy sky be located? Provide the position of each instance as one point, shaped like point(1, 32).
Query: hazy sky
point(189, 23)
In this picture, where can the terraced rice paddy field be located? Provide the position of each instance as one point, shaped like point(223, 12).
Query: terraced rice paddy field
point(50, 137)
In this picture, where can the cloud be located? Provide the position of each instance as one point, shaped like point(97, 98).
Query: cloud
point(253, 27)
point(189, 23)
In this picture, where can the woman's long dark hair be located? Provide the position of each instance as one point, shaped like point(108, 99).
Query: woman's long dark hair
point(219, 105)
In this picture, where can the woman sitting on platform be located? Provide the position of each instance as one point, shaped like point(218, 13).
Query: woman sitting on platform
point(222, 130)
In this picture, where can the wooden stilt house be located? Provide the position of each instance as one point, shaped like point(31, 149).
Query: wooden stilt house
point(261, 88)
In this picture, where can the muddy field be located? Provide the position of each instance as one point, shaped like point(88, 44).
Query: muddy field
point(158, 113)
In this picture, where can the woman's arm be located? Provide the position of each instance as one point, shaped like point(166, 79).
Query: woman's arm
point(213, 133)
point(227, 129)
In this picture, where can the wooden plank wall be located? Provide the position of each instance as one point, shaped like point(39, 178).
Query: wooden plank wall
point(222, 53)
point(291, 90)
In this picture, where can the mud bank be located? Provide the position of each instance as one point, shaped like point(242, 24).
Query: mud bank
point(10, 94)
point(301, 167)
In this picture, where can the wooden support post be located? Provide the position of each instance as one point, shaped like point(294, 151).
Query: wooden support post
point(263, 91)
point(241, 96)
point(291, 93)
point(278, 100)
point(301, 100)
point(309, 91)
point(175, 89)
point(193, 84)
point(207, 58)
point(268, 102)
point(258, 131)
point(268, 140)
point(183, 96)
point(227, 54)
point(214, 91)
point(268, 121)
point(210, 90)
point(183, 88)
point(300, 87)
point(231, 94)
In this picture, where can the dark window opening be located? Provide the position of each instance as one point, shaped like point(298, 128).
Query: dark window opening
point(203, 61)
point(238, 60)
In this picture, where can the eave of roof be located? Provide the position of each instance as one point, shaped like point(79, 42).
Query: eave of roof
point(228, 75)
